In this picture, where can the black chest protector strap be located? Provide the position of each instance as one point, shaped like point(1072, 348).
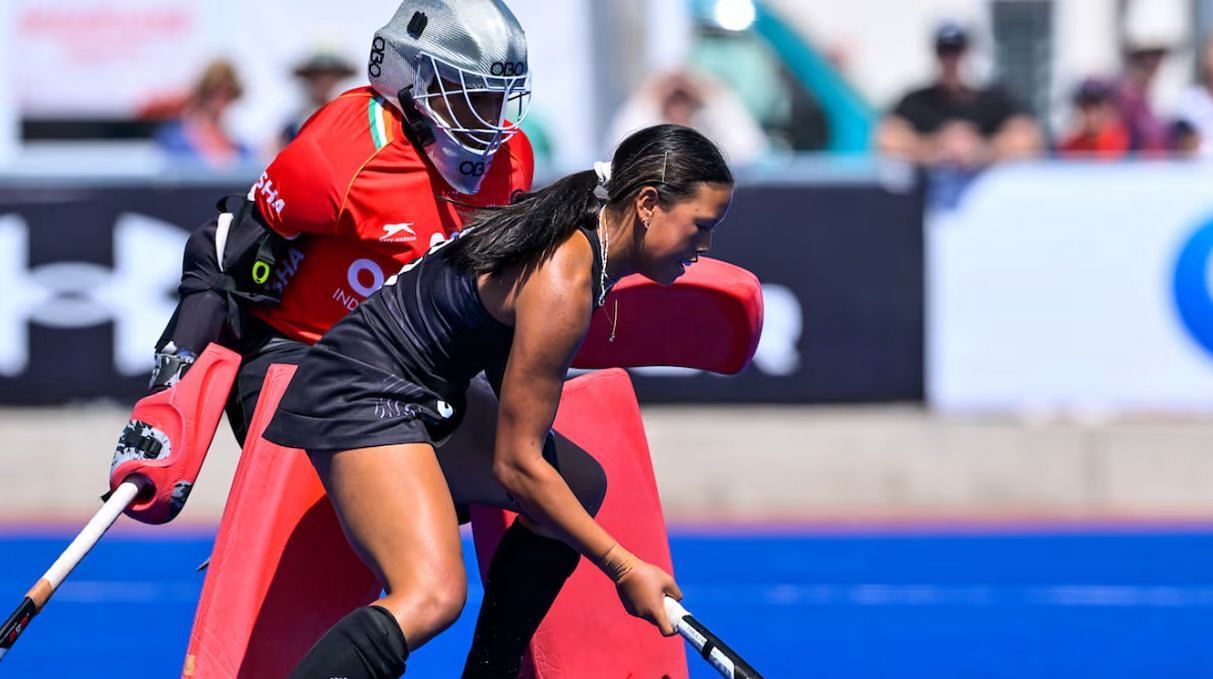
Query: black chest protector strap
point(228, 265)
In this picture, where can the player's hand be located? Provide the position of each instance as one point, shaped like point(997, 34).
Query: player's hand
point(643, 590)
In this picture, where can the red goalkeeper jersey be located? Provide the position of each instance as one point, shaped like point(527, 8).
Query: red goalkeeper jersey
point(362, 201)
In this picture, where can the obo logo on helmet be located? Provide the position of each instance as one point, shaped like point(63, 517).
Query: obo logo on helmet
point(508, 69)
point(375, 65)
point(472, 169)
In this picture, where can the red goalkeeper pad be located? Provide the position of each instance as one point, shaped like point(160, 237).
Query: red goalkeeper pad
point(710, 319)
point(281, 572)
point(169, 434)
point(587, 633)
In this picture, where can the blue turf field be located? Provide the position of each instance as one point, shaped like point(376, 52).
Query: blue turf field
point(1097, 604)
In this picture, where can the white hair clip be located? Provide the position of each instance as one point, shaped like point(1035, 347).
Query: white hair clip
point(603, 170)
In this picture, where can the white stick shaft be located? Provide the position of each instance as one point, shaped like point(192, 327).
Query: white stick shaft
point(38, 595)
point(678, 617)
point(123, 495)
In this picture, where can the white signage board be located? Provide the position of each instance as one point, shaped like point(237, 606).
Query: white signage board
point(1074, 287)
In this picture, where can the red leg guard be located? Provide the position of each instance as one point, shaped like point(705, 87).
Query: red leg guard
point(587, 633)
point(281, 572)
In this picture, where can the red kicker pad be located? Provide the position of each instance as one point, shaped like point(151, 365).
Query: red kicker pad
point(587, 633)
point(710, 319)
point(182, 419)
point(281, 572)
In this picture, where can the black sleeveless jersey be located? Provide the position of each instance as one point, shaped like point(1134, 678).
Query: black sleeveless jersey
point(395, 370)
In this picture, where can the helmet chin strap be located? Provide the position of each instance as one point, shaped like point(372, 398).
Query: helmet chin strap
point(416, 124)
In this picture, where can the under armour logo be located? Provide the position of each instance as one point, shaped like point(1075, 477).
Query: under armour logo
point(136, 295)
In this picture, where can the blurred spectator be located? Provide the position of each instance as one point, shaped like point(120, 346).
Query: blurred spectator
point(695, 100)
point(198, 133)
point(1098, 130)
point(319, 75)
point(1195, 110)
point(1147, 132)
point(953, 123)
point(790, 116)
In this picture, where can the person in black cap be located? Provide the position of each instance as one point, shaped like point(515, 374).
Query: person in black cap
point(952, 123)
point(320, 75)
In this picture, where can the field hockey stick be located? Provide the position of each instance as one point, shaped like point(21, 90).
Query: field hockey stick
point(36, 598)
point(709, 645)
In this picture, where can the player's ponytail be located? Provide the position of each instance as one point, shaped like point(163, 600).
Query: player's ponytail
point(673, 159)
point(531, 226)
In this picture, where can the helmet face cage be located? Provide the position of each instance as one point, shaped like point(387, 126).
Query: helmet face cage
point(476, 131)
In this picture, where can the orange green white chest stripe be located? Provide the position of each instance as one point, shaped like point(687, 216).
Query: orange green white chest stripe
point(381, 123)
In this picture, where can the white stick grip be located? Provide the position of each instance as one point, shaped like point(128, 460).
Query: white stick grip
point(674, 611)
point(720, 656)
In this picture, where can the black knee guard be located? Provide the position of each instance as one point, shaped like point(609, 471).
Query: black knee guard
point(524, 578)
point(366, 644)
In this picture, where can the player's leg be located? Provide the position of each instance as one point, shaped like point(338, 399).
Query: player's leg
point(398, 515)
point(467, 458)
point(528, 570)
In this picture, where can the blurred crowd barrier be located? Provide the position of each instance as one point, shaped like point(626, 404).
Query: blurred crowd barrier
point(90, 269)
point(1051, 286)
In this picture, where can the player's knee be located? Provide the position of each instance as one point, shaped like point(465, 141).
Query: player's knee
point(442, 607)
point(449, 602)
point(434, 602)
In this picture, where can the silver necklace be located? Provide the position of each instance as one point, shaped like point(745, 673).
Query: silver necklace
point(604, 245)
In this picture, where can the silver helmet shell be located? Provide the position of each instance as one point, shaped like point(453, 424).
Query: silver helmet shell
point(460, 63)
